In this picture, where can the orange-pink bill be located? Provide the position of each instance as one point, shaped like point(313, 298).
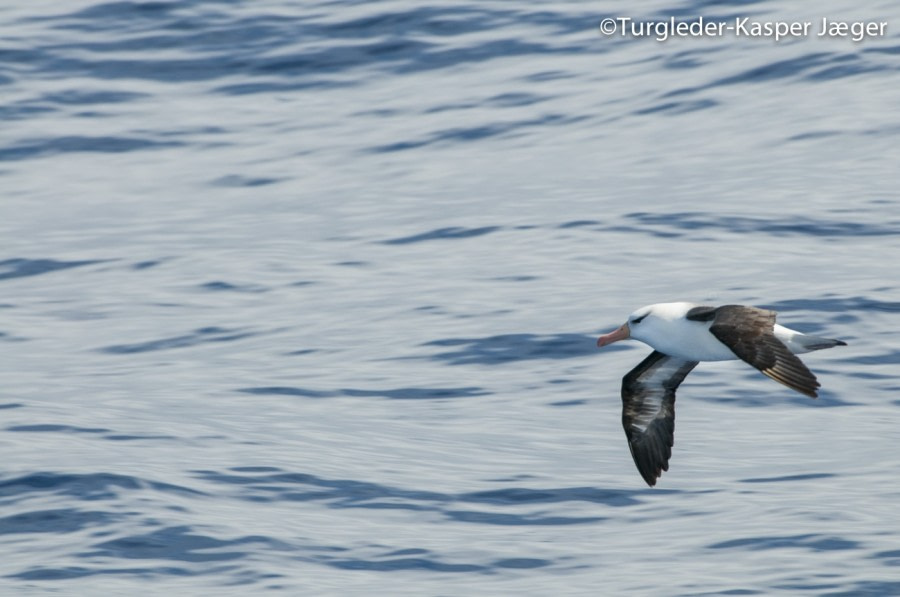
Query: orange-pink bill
point(620, 333)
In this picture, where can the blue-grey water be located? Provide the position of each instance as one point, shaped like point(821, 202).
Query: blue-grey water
point(301, 298)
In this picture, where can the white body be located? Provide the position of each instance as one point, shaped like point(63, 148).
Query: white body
point(670, 333)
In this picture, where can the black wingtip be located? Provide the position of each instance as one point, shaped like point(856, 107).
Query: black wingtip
point(648, 471)
point(649, 476)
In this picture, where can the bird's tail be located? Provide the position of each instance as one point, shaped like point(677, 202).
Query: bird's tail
point(798, 343)
point(810, 343)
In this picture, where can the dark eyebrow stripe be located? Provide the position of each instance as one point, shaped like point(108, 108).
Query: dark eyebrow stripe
point(639, 319)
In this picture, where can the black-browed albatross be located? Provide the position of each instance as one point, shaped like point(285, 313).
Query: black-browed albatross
point(682, 335)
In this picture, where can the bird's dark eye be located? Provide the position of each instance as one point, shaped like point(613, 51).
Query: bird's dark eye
point(639, 319)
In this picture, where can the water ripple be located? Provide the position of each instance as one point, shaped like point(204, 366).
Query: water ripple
point(265, 484)
point(20, 267)
point(506, 348)
point(177, 543)
point(56, 145)
point(814, 542)
point(803, 225)
point(198, 336)
point(394, 394)
point(62, 520)
point(84, 486)
point(451, 233)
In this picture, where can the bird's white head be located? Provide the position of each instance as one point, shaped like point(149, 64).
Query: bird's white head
point(647, 323)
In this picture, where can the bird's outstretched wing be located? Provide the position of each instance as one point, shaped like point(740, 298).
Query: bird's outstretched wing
point(648, 411)
point(748, 332)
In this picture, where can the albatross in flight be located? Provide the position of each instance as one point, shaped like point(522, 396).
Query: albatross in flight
point(682, 335)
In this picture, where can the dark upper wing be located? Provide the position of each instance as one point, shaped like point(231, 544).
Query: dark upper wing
point(747, 331)
point(648, 411)
point(701, 313)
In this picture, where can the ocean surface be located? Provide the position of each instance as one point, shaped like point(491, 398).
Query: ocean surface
point(302, 298)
